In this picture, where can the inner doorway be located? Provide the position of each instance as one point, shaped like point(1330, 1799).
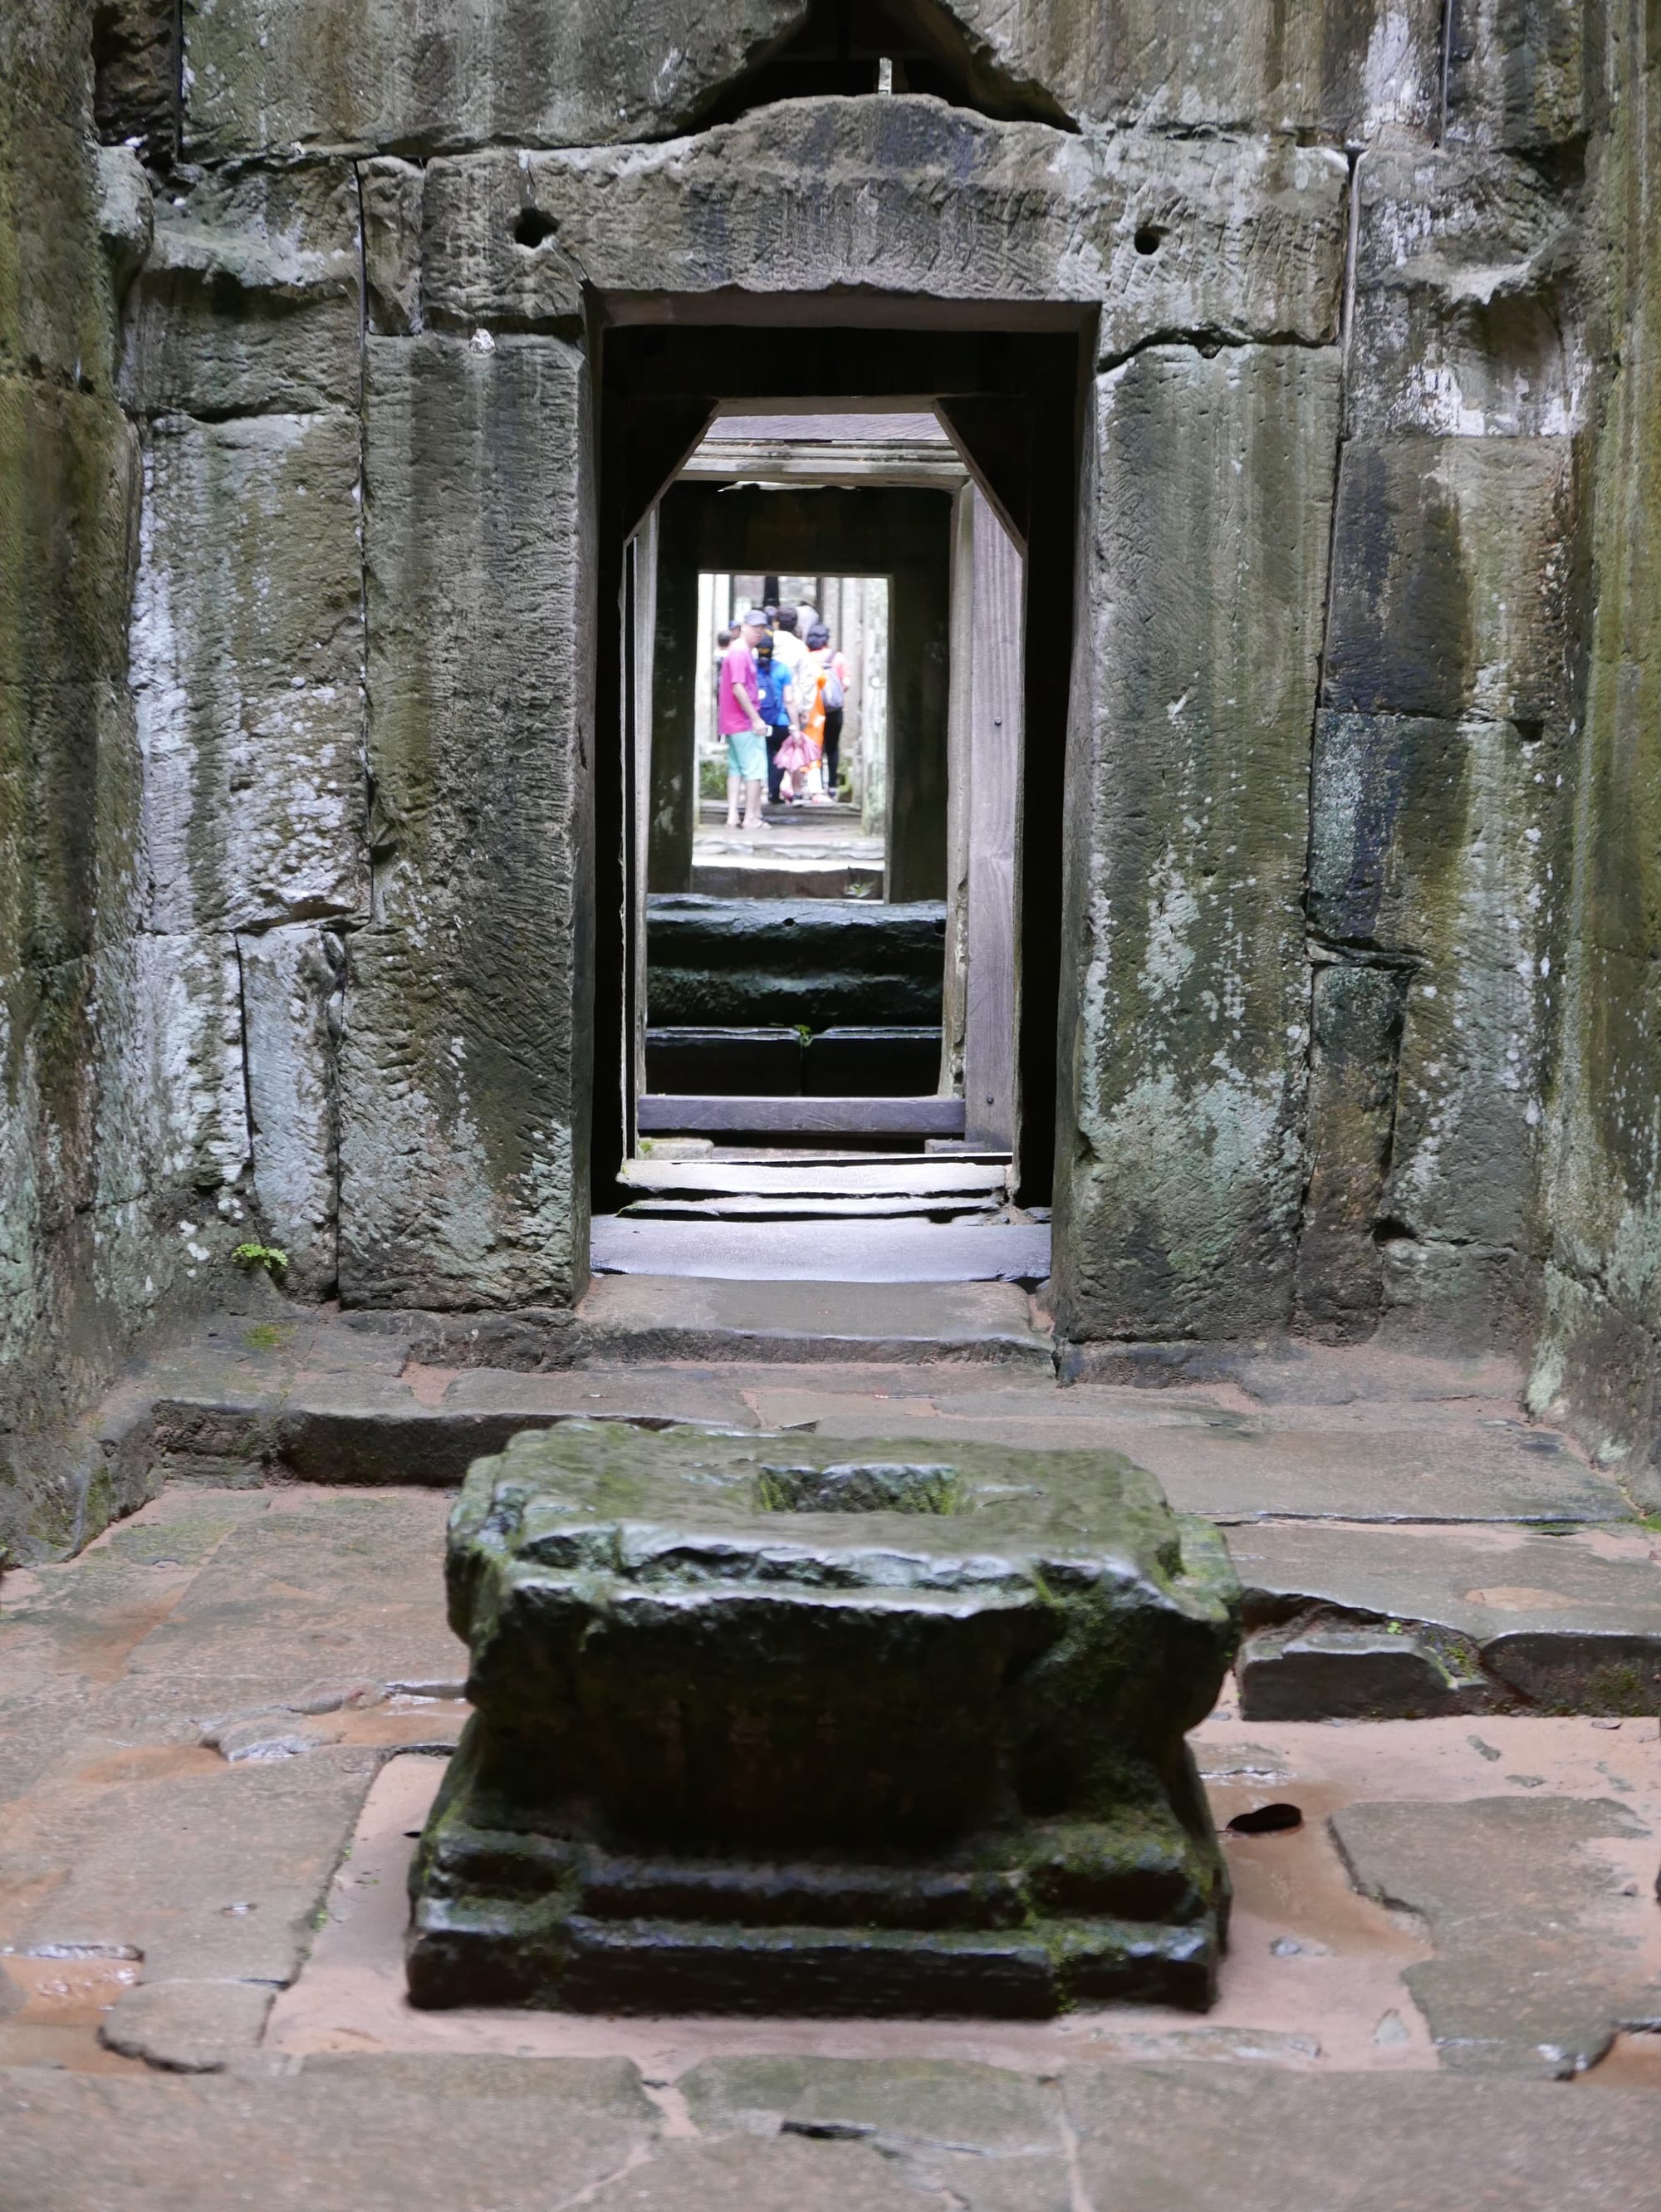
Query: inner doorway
point(830, 1003)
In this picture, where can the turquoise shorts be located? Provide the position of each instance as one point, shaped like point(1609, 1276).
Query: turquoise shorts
point(746, 755)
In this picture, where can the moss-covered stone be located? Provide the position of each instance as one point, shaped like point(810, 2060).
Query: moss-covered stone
point(1596, 1360)
point(1185, 1026)
point(760, 1727)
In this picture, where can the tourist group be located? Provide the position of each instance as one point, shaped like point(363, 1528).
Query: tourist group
point(781, 693)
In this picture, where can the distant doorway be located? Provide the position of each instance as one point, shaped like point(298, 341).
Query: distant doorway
point(833, 984)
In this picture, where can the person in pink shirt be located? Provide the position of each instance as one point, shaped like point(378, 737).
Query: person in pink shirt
point(738, 719)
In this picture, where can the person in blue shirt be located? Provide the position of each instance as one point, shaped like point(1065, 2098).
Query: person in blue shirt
point(776, 699)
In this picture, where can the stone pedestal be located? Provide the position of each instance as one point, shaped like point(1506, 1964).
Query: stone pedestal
point(774, 1725)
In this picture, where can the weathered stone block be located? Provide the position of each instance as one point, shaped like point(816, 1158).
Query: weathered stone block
point(1335, 1671)
point(70, 781)
point(291, 980)
point(247, 664)
point(1597, 1349)
point(1432, 842)
point(1209, 500)
point(1389, 810)
point(1352, 1112)
point(249, 300)
point(126, 215)
point(183, 1082)
point(1470, 1086)
point(46, 60)
point(464, 1075)
point(756, 1727)
point(911, 195)
point(1352, 69)
point(55, 301)
point(425, 74)
point(488, 255)
point(69, 478)
point(136, 83)
point(1451, 560)
point(392, 192)
point(1465, 321)
point(1454, 1298)
point(1516, 73)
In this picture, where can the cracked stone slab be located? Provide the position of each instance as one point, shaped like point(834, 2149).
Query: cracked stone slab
point(978, 2107)
point(428, 2135)
point(1542, 1914)
point(188, 2027)
point(1252, 2141)
point(210, 1874)
point(1461, 1619)
point(345, 2135)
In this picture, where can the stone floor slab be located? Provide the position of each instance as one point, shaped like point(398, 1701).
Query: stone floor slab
point(1539, 1955)
point(370, 2135)
point(650, 1316)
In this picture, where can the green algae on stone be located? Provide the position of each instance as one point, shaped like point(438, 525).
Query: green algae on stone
point(758, 1725)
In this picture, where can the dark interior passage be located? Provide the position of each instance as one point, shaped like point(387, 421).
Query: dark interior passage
point(1010, 398)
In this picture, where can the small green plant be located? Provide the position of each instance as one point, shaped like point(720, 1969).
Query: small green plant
point(271, 1257)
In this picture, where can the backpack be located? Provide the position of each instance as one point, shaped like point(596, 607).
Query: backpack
point(832, 694)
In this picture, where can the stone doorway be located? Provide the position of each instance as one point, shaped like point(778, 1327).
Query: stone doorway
point(925, 457)
point(930, 485)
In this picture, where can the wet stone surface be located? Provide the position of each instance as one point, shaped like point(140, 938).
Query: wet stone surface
point(759, 1725)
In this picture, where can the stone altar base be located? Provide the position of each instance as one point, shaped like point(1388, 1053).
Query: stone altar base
point(762, 1726)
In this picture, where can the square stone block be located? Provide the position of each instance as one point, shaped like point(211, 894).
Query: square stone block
point(765, 1723)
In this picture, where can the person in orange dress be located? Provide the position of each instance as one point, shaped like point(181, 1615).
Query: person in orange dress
point(821, 688)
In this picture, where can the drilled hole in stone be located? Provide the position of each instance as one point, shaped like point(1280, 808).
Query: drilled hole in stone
point(859, 1487)
point(532, 228)
point(1148, 239)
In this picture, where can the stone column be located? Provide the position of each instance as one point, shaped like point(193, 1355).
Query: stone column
point(464, 1076)
point(1185, 996)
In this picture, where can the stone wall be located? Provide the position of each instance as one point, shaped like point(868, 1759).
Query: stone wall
point(93, 1117)
point(296, 693)
point(1596, 1347)
point(1311, 1084)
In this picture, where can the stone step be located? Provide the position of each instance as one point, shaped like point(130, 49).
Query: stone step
point(758, 1062)
point(778, 1062)
point(816, 815)
point(776, 878)
point(744, 1207)
point(847, 1175)
point(821, 962)
point(871, 1062)
point(849, 1253)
